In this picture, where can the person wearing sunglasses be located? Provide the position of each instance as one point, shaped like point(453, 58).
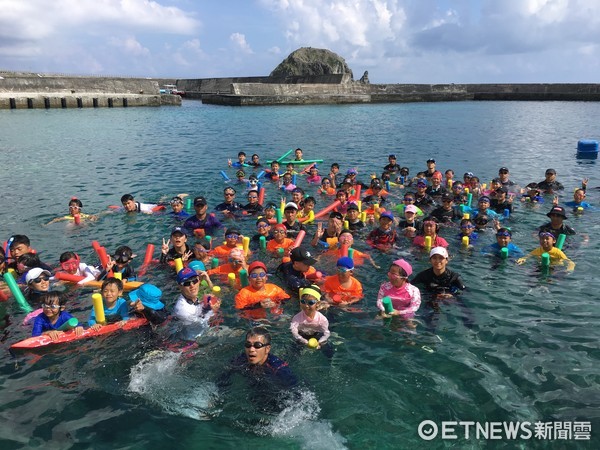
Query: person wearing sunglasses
point(229, 208)
point(53, 316)
point(253, 208)
point(406, 298)
point(189, 308)
point(264, 370)
point(342, 288)
point(503, 176)
point(327, 187)
point(309, 322)
point(38, 283)
point(71, 264)
point(503, 240)
point(259, 294)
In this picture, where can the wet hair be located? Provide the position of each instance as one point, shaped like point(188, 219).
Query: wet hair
point(126, 198)
point(2, 255)
point(385, 176)
point(275, 162)
point(307, 199)
point(75, 202)
point(112, 281)
point(241, 153)
point(259, 331)
point(449, 171)
point(204, 244)
point(404, 171)
point(29, 260)
point(481, 220)
point(336, 165)
point(67, 256)
point(465, 222)
point(49, 297)
point(252, 191)
point(124, 251)
point(20, 239)
point(255, 154)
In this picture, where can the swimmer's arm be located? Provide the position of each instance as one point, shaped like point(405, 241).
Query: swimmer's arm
point(57, 219)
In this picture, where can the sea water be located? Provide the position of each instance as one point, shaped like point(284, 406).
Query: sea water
point(520, 347)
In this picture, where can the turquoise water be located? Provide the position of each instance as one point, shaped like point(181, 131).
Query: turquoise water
point(524, 347)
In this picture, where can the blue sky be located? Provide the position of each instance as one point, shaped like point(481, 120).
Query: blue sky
point(397, 41)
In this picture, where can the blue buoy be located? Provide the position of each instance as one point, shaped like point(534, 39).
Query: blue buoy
point(587, 148)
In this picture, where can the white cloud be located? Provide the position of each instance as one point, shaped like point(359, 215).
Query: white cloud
point(130, 46)
point(274, 50)
point(239, 42)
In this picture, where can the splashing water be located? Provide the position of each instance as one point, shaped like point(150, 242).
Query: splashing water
point(158, 378)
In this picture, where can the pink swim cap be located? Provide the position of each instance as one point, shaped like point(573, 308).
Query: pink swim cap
point(404, 265)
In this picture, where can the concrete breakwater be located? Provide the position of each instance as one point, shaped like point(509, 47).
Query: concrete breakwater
point(29, 91)
point(266, 91)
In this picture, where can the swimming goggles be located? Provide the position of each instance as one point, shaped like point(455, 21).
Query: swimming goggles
point(256, 345)
point(232, 236)
point(262, 225)
point(343, 269)
point(257, 275)
point(308, 302)
point(46, 305)
point(503, 233)
point(71, 264)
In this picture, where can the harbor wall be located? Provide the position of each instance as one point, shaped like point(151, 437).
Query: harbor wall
point(30, 91)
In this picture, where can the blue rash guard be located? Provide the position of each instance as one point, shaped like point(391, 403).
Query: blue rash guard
point(495, 249)
point(118, 312)
point(42, 323)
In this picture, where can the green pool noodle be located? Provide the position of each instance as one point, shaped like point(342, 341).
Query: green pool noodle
point(545, 260)
point(263, 242)
point(561, 241)
point(387, 304)
point(16, 292)
point(244, 278)
point(504, 252)
point(69, 324)
point(214, 263)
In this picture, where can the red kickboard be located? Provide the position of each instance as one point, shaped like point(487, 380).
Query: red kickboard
point(68, 336)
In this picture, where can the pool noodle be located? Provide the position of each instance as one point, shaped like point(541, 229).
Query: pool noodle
point(387, 304)
point(263, 242)
point(244, 278)
point(327, 209)
point(261, 196)
point(299, 238)
point(224, 175)
point(304, 161)
point(246, 245)
point(98, 308)
point(561, 241)
point(69, 324)
point(16, 292)
point(178, 264)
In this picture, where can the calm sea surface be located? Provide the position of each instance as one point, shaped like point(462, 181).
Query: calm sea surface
point(522, 347)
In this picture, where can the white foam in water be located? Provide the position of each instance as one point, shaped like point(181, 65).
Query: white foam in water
point(298, 420)
point(156, 378)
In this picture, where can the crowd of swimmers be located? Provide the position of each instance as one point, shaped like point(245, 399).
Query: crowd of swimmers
point(430, 211)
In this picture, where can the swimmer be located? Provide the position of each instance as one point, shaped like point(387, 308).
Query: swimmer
point(280, 241)
point(241, 162)
point(547, 241)
point(120, 262)
point(53, 317)
point(75, 207)
point(343, 289)
point(115, 306)
point(189, 308)
point(353, 218)
point(202, 223)
point(392, 167)
point(306, 207)
point(130, 205)
point(383, 237)
point(71, 264)
point(180, 247)
point(438, 279)
point(549, 184)
point(503, 240)
point(327, 187)
point(260, 293)
point(406, 298)
point(293, 273)
point(556, 226)
point(309, 322)
point(233, 238)
point(177, 210)
point(253, 208)
point(431, 227)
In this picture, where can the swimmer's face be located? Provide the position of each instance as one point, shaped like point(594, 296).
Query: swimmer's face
point(18, 250)
point(257, 356)
point(200, 252)
point(190, 291)
point(297, 197)
point(429, 228)
point(502, 241)
point(396, 276)
point(177, 207)
point(110, 294)
point(335, 169)
point(438, 262)
point(269, 213)
point(287, 178)
point(306, 305)
point(385, 223)
point(242, 158)
point(129, 206)
point(409, 215)
point(178, 239)
point(257, 278)
point(309, 206)
point(263, 228)
point(346, 239)
point(556, 218)
point(275, 167)
point(51, 309)
point(436, 181)
point(343, 274)
point(200, 209)
point(341, 196)
point(547, 241)
point(301, 266)
point(253, 198)
point(467, 229)
point(298, 154)
point(74, 209)
point(43, 284)
point(290, 214)
point(279, 235)
point(352, 214)
point(550, 176)
point(579, 196)
point(431, 165)
point(483, 205)
point(232, 239)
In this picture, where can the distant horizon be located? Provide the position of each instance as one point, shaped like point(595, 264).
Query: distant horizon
point(396, 41)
